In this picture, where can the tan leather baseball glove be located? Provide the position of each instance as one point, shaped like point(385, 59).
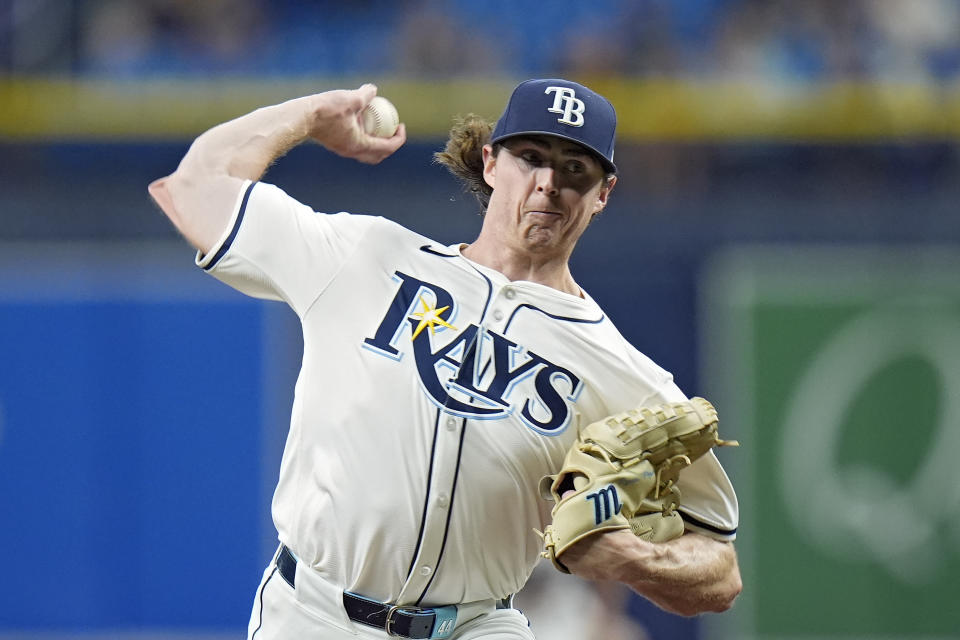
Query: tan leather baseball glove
point(621, 473)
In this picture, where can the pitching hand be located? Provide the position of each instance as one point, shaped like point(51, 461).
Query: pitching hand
point(337, 125)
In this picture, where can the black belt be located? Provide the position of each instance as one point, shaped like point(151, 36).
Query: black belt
point(406, 622)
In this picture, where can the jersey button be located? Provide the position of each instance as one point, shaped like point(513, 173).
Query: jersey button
point(498, 315)
point(425, 570)
point(510, 293)
point(443, 501)
point(451, 424)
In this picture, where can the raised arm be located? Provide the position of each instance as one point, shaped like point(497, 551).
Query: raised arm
point(200, 195)
point(689, 575)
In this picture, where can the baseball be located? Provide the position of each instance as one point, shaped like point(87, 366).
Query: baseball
point(380, 118)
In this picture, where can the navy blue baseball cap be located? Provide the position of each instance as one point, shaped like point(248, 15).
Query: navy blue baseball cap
point(564, 109)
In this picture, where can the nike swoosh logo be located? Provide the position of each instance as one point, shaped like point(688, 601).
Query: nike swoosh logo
point(428, 249)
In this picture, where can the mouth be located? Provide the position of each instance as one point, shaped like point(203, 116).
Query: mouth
point(544, 213)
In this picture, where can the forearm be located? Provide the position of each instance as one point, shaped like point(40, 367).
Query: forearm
point(689, 575)
point(245, 147)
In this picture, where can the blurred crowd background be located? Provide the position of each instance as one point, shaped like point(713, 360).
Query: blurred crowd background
point(766, 39)
point(787, 203)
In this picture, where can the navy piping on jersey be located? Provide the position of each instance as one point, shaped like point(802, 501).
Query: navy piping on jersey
point(446, 530)
point(260, 598)
point(426, 499)
point(467, 355)
point(233, 232)
point(473, 345)
point(706, 525)
point(486, 305)
point(527, 305)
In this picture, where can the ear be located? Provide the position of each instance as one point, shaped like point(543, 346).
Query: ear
point(603, 195)
point(489, 166)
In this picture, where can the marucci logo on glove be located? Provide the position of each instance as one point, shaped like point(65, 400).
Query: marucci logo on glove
point(606, 503)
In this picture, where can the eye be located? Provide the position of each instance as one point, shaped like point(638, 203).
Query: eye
point(531, 157)
point(575, 167)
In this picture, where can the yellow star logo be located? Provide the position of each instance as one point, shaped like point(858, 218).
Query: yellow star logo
point(430, 318)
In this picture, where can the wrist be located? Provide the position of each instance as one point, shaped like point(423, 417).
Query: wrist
point(322, 116)
point(292, 122)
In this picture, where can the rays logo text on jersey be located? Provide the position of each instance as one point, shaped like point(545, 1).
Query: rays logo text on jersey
point(476, 373)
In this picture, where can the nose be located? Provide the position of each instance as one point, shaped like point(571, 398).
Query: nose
point(547, 181)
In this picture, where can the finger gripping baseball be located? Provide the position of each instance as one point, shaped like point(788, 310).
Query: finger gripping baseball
point(622, 471)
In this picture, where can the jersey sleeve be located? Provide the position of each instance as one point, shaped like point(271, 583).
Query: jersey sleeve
point(277, 248)
point(708, 502)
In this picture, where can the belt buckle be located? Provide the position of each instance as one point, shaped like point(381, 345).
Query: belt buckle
point(388, 626)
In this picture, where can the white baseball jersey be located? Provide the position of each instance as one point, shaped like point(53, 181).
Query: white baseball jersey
point(433, 396)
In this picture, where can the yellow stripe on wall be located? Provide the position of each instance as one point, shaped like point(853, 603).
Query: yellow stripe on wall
point(34, 109)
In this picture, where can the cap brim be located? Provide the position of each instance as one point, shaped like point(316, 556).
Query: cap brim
point(608, 166)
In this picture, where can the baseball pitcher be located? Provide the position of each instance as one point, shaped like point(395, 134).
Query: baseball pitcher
point(462, 410)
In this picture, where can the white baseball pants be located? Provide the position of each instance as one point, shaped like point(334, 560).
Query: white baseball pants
point(314, 609)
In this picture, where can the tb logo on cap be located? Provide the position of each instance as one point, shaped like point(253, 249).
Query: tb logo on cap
point(572, 108)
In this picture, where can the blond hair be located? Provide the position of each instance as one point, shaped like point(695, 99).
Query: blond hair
point(463, 155)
